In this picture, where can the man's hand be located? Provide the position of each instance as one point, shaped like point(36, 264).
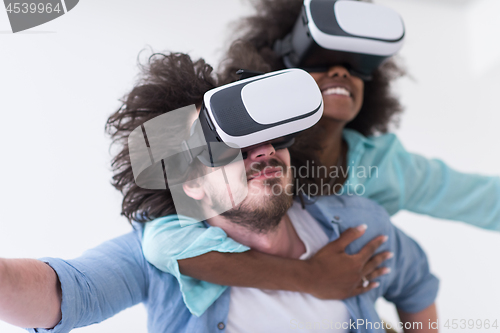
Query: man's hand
point(334, 274)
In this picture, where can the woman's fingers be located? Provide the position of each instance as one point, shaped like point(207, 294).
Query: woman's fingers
point(359, 290)
point(334, 274)
point(349, 236)
point(369, 249)
point(375, 261)
point(378, 272)
point(370, 277)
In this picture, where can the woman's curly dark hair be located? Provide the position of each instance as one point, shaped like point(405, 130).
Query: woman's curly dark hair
point(168, 82)
point(274, 19)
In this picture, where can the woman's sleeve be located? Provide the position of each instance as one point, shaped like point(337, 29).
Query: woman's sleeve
point(169, 239)
point(428, 186)
point(100, 283)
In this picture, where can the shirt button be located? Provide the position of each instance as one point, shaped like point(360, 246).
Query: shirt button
point(336, 218)
point(221, 326)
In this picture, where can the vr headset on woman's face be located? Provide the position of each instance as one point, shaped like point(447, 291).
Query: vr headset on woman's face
point(357, 35)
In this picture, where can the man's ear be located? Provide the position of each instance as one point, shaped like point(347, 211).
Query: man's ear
point(194, 190)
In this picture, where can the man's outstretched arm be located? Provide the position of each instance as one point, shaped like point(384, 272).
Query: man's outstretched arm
point(30, 293)
point(93, 287)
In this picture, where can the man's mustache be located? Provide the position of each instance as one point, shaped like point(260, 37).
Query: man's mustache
point(256, 168)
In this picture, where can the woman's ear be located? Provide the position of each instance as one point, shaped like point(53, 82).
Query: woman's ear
point(194, 190)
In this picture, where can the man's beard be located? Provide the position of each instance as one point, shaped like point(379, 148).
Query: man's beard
point(266, 216)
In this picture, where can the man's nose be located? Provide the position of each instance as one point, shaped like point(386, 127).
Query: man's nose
point(261, 153)
point(339, 71)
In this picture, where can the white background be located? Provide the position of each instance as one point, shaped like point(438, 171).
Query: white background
point(60, 81)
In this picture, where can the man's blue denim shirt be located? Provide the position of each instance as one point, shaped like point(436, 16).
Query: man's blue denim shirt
point(115, 276)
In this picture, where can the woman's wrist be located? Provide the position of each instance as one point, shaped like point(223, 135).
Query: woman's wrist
point(303, 276)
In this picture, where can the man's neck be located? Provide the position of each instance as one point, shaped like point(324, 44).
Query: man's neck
point(283, 241)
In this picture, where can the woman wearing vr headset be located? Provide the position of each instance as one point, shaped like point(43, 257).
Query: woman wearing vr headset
point(359, 107)
point(358, 104)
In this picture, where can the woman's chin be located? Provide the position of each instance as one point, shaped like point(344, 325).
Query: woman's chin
point(338, 116)
point(340, 111)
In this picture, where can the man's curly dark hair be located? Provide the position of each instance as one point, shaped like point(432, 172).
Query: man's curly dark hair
point(168, 82)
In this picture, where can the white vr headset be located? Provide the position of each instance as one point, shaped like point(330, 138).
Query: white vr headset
point(270, 107)
point(357, 35)
point(265, 108)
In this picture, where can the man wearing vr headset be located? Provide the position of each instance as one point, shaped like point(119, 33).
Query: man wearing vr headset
point(259, 223)
point(299, 47)
point(354, 79)
point(105, 280)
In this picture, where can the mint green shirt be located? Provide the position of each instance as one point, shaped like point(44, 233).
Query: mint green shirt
point(425, 186)
point(379, 169)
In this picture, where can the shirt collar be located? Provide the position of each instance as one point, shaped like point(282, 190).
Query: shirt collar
point(320, 210)
point(355, 139)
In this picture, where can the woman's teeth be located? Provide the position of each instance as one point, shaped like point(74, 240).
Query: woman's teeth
point(337, 91)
